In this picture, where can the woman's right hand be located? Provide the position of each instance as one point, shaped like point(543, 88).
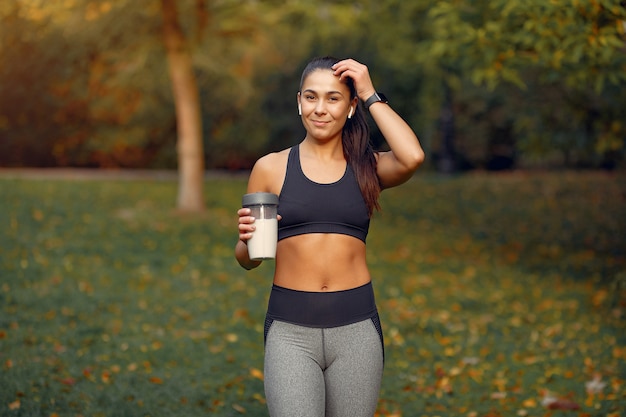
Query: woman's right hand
point(246, 229)
point(246, 224)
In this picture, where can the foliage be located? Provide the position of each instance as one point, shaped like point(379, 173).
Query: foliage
point(554, 69)
point(84, 83)
point(96, 96)
point(579, 42)
point(499, 295)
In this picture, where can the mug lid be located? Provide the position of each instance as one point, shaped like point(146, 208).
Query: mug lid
point(254, 199)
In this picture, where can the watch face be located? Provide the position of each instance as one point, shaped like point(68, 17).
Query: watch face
point(382, 97)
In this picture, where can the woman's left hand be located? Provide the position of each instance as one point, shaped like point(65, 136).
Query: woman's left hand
point(359, 74)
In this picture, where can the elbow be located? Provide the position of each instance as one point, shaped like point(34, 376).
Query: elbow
point(419, 158)
point(415, 157)
point(410, 165)
point(415, 160)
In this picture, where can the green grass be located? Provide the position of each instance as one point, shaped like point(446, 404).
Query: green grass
point(493, 291)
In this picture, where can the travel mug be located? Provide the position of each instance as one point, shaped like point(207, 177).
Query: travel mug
point(264, 208)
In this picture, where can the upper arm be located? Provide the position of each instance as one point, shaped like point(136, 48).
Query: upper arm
point(268, 174)
point(392, 172)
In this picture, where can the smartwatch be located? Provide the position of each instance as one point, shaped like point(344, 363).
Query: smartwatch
point(375, 98)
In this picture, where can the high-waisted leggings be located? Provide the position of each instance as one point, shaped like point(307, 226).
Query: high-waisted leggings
point(314, 369)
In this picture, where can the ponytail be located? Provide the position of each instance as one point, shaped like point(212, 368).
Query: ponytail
point(358, 151)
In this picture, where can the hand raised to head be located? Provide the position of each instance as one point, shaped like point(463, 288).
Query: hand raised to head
point(359, 74)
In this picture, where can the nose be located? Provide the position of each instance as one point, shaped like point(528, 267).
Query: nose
point(320, 107)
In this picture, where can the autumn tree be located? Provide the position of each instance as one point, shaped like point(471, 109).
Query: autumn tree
point(86, 83)
point(189, 123)
point(571, 53)
point(526, 56)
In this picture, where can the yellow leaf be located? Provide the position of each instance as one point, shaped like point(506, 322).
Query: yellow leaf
point(256, 373)
point(106, 377)
point(37, 215)
point(15, 405)
point(529, 403)
point(449, 351)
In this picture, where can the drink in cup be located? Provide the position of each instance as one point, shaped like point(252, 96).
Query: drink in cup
point(263, 207)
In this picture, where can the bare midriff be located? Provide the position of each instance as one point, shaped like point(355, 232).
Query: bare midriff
point(321, 262)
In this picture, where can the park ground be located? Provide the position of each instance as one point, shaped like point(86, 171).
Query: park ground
point(500, 295)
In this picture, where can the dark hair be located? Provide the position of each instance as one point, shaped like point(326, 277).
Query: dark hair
point(355, 137)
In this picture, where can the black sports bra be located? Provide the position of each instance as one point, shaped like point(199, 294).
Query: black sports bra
point(310, 207)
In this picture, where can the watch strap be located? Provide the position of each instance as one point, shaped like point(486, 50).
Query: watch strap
point(375, 98)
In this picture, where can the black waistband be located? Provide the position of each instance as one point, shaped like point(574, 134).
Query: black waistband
point(322, 309)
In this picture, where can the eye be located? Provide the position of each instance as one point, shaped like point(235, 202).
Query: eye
point(309, 97)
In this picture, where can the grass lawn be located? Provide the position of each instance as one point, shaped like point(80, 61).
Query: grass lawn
point(501, 295)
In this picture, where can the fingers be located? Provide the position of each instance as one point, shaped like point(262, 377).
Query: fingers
point(359, 74)
point(246, 224)
point(349, 68)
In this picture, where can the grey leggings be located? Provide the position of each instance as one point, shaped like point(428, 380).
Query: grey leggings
point(323, 372)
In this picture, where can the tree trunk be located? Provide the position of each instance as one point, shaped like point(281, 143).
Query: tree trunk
point(188, 120)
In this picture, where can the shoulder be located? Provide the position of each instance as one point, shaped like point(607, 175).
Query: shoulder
point(268, 161)
point(268, 172)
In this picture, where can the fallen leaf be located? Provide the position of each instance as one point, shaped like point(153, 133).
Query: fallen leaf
point(258, 397)
point(529, 403)
point(596, 385)
point(470, 360)
point(552, 402)
point(106, 377)
point(38, 215)
point(68, 381)
point(256, 373)
point(563, 404)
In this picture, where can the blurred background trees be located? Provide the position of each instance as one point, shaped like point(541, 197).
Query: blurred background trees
point(492, 84)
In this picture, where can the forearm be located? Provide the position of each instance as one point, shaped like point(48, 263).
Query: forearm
point(400, 137)
point(241, 254)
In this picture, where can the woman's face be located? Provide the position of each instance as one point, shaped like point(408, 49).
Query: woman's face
point(325, 102)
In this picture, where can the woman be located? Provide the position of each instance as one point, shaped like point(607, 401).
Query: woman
point(323, 340)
